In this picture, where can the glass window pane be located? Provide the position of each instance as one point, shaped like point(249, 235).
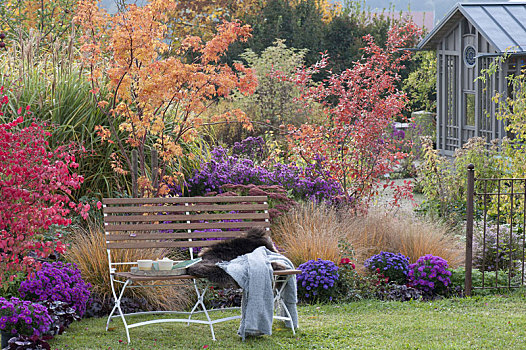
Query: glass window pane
point(470, 109)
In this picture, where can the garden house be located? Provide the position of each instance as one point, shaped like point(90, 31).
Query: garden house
point(466, 41)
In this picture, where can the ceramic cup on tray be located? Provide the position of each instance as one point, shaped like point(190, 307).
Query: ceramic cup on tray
point(145, 264)
point(165, 264)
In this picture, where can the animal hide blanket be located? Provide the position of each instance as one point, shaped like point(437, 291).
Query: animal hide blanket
point(226, 251)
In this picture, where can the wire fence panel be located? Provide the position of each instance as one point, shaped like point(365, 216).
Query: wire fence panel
point(495, 235)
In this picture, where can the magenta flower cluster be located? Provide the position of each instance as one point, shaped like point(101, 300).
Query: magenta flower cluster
point(222, 169)
point(23, 317)
point(393, 266)
point(317, 280)
point(430, 274)
point(397, 134)
point(57, 282)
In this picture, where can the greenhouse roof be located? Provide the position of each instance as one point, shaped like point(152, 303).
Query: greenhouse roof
point(503, 24)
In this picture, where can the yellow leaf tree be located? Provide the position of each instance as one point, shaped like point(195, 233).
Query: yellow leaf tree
point(157, 100)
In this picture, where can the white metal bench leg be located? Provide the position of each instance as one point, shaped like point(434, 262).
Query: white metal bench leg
point(200, 302)
point(118, 307)
point(279, 303)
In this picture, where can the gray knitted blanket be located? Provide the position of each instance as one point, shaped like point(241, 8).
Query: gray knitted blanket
point(253, 273)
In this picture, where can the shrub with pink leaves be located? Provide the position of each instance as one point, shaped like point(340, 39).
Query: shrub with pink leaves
point(35, 184)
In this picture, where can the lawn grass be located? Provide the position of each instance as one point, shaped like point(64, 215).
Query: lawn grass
point(493, 322)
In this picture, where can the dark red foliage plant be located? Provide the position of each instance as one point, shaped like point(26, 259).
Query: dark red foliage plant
point(35, 187)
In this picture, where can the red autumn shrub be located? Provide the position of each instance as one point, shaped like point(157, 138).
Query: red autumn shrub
point(353, 142)
point(35, 184)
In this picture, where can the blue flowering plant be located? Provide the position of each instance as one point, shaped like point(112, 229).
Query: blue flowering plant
point(430, 274)
point(23, 317)
point(57, 282)
point(317, 281)
point(393, 266)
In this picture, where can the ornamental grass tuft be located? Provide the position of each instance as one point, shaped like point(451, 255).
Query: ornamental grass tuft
point(310, 231)
point(381, 230)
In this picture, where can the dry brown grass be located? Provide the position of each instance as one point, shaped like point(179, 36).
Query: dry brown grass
point(309, 232)
point(88, 251)
point(312, 231)
point(382, 231)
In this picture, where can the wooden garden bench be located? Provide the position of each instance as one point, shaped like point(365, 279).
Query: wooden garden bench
point(175, 223)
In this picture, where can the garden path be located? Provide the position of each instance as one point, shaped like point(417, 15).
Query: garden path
point(406, 205)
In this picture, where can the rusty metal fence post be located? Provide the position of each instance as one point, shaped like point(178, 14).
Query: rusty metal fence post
point(469, 229)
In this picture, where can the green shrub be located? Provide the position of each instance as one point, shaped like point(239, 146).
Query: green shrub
point(273, 102)
point(353, 286)
point(420, 85)
point(444, 182)
point(458, 278)
point(490, 256)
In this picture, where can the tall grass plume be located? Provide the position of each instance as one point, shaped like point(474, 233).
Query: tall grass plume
point(310, 231)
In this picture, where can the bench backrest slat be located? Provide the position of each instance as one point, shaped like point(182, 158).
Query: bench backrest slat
point(185, 226)
point(184, 208)
point(143, 223)
point(173, 236)
point(164, 244)
point(171, 200)
point(184, 217)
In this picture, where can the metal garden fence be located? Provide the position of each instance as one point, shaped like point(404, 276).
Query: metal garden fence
point(495, 235)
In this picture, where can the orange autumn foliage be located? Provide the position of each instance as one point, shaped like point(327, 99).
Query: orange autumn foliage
point(158, 99)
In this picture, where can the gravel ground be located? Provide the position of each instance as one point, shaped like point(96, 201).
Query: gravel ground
point(406, 205)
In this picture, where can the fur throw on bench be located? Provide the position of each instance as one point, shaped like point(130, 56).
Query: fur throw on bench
point(228, 250)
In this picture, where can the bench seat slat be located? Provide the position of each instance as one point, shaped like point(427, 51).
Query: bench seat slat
point(162, 200)
point(164, 244)
point(129, 275)
point(168, 236)
point(185, 226)
point(183, 217)
point(183, 208)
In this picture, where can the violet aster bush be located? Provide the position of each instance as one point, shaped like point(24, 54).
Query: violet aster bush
point(57, 281)
point(391, 265)
point(253, 148)
point(430, 274)
point(317, 281)
point(23, 317)
point(223, 168)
